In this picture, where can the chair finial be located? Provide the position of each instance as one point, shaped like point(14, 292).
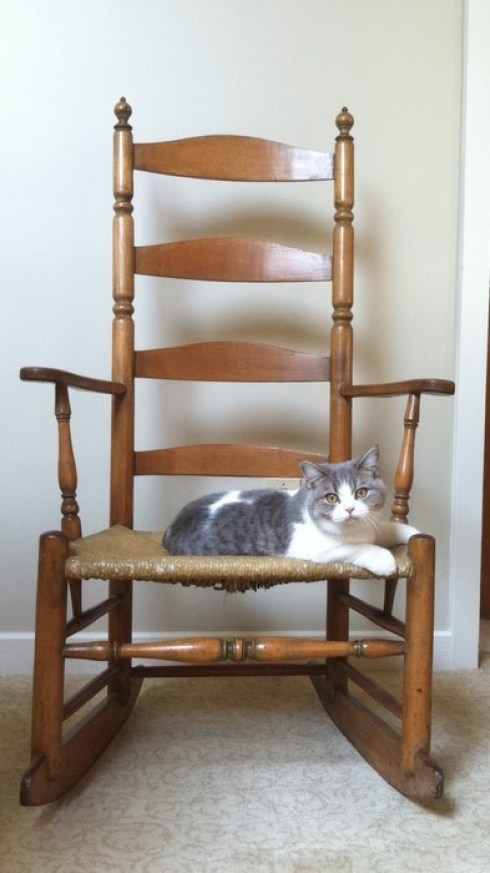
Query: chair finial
point(344, 122)
point(123, 113)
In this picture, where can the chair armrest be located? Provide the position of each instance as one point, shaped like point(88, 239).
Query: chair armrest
point(405, 468)
point(392, 389)
point(67, 468)
point(71, 380)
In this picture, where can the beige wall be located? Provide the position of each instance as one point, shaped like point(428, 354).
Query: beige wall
point(277, 68)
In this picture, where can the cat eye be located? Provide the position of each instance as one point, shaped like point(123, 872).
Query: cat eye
point(361, 493)
point(332, 498)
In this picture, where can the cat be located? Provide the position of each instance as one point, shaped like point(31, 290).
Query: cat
point(335, 515)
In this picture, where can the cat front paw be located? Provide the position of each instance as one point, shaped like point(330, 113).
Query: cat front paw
point(394, 533)
point(382, 563)
point(407, 531)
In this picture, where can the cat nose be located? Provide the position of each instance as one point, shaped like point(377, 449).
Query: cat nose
point(349, 509)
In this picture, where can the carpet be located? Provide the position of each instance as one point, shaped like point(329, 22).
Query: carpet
point(249, 776)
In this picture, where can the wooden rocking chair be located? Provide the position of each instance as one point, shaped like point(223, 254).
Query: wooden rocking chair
point(398, 746)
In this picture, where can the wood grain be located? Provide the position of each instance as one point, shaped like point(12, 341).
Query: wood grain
point(232, 260)
point(233, 158)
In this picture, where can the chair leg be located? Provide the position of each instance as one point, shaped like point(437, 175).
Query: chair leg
point(59, 762)
point(120, 631)
point(419, 640)
point(401, 757)
point(48, 681)
point(338, 623)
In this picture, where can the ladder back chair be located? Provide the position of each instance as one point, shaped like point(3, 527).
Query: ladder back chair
point(397, 746)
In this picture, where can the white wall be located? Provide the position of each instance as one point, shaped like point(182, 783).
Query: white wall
point(276, 68)
point(471, 354)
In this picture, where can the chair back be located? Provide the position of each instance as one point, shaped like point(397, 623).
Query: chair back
point(228, 259)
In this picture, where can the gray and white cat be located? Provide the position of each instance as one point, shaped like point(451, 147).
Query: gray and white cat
point(334, 516)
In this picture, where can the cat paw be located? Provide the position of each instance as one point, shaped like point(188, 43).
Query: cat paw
point(407, 532)
point(381, 564)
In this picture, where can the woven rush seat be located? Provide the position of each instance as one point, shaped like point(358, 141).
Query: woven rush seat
point(121, 553)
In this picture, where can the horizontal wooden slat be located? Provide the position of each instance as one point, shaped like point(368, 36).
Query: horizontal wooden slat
point(232, 361)
point(206, 650)
point(88, 691)
point(231, 259)
point(233, 158)
point(246, 668)
point(375, 615)
point(223, 460)
point(371, 687)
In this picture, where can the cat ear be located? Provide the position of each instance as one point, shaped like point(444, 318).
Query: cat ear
point(311, 472)
point(370, 461)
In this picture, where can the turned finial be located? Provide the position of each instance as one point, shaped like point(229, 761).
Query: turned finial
point(344, 122)
point(123, 112)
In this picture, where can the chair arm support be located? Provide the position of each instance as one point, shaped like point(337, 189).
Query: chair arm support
point(405, 467)
point(67, 468)
point(71, 380)
point(392, 389)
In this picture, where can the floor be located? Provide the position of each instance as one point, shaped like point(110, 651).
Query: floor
point(249, 776)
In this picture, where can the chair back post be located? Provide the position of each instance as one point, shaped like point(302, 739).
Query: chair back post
point(123, 325)
point(340, 437)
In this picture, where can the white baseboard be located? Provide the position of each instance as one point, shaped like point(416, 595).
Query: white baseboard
point(16, 650)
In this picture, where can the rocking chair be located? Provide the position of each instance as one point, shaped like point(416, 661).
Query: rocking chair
point(398, 745)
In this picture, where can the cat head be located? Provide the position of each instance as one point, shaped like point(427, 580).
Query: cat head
point(339, 495)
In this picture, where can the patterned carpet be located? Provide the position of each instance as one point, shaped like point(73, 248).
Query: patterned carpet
point(249, 776)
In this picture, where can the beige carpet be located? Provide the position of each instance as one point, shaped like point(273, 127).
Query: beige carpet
point(249, 776)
